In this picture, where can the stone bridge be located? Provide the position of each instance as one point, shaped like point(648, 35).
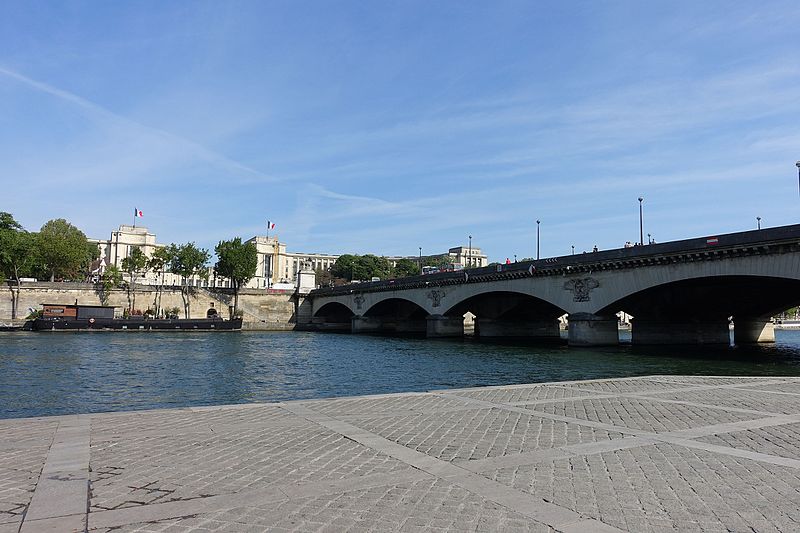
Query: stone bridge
point(681, 292)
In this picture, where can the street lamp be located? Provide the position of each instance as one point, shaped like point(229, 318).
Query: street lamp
point(537, 238)
point(573, 249)
point(649, 239)
point(758, 221)
point(469, 254)
point(798, 174)
point(420, 260)
point(641, 226)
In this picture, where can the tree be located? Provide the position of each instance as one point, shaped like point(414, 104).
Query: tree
point(7, 222)
point(406, 267)
point(63, 248)
point(17, 254)
point(238, 262)
point(135, 263)
point(363, 267)
point(188, 261)
point(324, 277)
point(439, 261)
point(161, 259)
point(111, 278)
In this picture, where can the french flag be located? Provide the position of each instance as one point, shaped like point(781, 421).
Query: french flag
point(137, 213)
point(270, 225)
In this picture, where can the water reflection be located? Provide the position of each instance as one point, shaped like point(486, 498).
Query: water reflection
point(46, 374)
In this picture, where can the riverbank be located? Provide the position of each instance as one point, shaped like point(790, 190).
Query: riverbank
point(686, 453)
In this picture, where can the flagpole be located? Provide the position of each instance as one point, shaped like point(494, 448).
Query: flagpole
point(134, 216)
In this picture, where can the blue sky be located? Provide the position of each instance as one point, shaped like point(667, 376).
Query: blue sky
point(379, 127)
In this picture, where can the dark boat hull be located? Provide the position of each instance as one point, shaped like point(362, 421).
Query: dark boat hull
point(135, 324)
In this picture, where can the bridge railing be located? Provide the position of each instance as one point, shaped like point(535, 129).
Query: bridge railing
point(744, 239)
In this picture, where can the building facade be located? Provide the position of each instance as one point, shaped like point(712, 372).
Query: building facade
point(277, 268)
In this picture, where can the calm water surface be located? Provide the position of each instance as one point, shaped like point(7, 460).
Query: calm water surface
point(61, 373)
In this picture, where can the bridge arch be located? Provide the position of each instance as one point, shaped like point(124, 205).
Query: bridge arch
point(698, 309)
point(509, 314)
point(333, 316)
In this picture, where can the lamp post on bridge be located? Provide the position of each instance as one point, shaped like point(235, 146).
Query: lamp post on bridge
point(758, 221)
point(573, 249)
point(798, 176)
point(641, 224)
point(469, 254)
point(420, 260)
point(537, 238)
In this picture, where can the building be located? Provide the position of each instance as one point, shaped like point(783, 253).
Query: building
point(277, 268)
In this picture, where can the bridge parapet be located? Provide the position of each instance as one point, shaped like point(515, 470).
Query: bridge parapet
point(757, 242)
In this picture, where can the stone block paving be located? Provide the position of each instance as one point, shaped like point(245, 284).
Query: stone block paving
point(480, 433)
point(23, 450)
point(656, 453)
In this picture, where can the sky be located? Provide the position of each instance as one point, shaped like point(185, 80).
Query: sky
point(385, 126)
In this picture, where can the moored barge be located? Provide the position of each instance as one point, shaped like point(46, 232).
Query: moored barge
point(60, 317)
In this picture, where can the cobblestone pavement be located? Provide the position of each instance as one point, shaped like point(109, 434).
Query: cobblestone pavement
point(657, 453)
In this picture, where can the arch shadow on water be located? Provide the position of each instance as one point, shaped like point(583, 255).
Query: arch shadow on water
point(49, 374)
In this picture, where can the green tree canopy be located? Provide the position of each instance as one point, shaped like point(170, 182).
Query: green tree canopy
point(406, 267)
point(18, 254)
point(64, 249)
point(438, 261)
point(187, 261)
point(238, 262)
point(361, 267)
point(136, 262)
point(7, 222)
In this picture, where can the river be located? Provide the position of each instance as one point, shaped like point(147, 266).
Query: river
point(64, 373)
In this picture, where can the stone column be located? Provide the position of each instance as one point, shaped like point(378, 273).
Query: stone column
point(587, 329)
point(528, 329)
point(753, 330)
point(706, 332)
point(444, 326)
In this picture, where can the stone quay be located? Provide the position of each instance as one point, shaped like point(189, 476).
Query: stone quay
point(656, 453)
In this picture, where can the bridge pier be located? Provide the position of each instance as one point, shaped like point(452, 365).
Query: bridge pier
point(444, 326)
point(707, 332)
point(527, 329)
point(587, 329)
point(747, 331)
point(319, 323)
point(366, 324)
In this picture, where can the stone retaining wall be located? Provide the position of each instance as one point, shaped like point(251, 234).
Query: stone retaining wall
point(273, 310)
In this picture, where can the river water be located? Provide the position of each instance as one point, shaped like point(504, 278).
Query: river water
point(65, 373)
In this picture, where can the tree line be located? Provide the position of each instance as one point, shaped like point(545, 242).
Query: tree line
point(60, 251)
point(349, 267)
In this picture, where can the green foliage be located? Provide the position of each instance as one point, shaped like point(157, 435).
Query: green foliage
point(187, 261)
point(136, 262)
point(7, 222)
point(324, 277)
point(111, 278)
point(406, 267)
point(63, 248)
point(160, 260)
point(18, 253)
point(361, 267)
point(439, 261)
point(237, 261)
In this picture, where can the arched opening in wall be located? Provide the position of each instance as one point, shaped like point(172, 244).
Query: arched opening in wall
point(510, 315)
point(393, 316)
point(333, 316)
point(702, 310)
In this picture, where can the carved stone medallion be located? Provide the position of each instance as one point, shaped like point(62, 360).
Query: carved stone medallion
point(581, 288)
point(359, 300)
point(436, 297)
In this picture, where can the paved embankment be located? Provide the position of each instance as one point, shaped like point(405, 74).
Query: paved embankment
point(656, 453)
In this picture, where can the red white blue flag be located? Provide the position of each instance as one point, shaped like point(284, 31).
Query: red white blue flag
point(137, 213)
point(270, 225)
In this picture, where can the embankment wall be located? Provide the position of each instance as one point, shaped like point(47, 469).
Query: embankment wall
point(273, 310)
